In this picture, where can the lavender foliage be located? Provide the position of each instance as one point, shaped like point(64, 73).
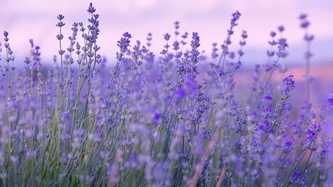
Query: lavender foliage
point(168, 120)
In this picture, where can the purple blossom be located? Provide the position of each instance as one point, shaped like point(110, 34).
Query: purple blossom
point(91, 9)
point(184, 36)
point(282, 44)
point(60, 17)
point(176, 28)
point(289, 84)
point(281, 28)
point(60, 36)
point(124, 42)
point(149, 57)
point(6, 39)
point(214, 51)
point(149, 38)
point(270, 53)
point(176, 45)
point(235, 16)
point(60, 23)
point(303, 16)
point(304, 22)
point(27, 60)
point(61, 52)
point(167, 36)
point(308, 37)
point(273, 34)
point(295, 177)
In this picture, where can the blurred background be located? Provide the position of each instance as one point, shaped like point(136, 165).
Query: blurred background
point(36, 19)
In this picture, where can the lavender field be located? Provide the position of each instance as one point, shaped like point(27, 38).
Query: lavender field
point(180, 117)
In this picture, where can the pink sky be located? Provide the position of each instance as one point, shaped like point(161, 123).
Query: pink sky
point(210, 18)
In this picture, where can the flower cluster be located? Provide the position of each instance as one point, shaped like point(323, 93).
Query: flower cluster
point(169, 120)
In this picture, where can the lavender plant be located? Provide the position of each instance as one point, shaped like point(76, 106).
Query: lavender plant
point(168, 120)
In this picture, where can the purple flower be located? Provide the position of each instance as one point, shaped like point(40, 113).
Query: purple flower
point(60, 36)
point(214, 51)
point(180, 93)
point(60, 23)
point(184, 36)
point(5, 33)
point(311, 137)
point(166, 36)
point(127, 35)
point(149, 57)
point(195, 43)
point(176, 45)
point(242, 43)
point(225, 49)
point(157, 117)
point(149, 38)
point(124, 42)
point(280, 28)
point(308, 37)
point(270, 53)
point(273, 34)
point(240, 52)
point(27, 60)
point(176, 24)
point(91, 9)
point(294, 178)
point(282, 44)
point(305, 24)
point(60, 17)
point(302, 16)
point(176, 28)
point(231, 55)
point(289, 84)
point(244, 35)
point(282, 54)
point(61, 52)
point(235, 17)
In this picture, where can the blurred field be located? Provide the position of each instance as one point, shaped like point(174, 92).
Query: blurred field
point(320, 87)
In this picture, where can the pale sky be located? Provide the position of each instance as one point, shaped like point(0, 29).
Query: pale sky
point(36, 19)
